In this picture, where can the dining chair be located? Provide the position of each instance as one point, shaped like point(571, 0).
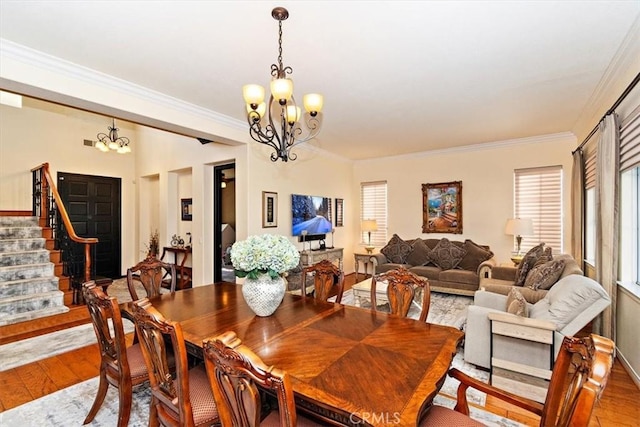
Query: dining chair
point(326, 275)
point(578, 379)
point(235, 373)
point(402, 286)
point(182, 398)
point(120, 366)
point(150, 272)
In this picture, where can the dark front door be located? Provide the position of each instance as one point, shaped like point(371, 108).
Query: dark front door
point(93, 205)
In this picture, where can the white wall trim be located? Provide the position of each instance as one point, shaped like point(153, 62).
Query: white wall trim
point(57, 65)
point(625, 364)
point(569, 136)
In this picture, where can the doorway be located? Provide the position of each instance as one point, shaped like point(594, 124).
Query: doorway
point(93, 204)
point(224, 227)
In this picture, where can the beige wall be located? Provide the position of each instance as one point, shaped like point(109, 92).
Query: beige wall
point(487, 186)
point(30, 136)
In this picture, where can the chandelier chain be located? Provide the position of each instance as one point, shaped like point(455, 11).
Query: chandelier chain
point(280, 44)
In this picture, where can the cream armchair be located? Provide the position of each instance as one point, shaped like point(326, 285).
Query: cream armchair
point(568, 307)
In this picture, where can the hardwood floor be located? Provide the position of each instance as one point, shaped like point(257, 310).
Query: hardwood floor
point(618, 406)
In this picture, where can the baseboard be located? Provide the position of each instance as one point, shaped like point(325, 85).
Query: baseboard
point(627, 367)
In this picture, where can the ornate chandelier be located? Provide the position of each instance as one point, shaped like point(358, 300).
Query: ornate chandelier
point(112, 141)
point(281, 129)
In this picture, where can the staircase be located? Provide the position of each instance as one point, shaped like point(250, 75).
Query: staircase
point(29, 288)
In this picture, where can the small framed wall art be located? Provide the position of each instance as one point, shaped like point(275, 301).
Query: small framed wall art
point(269, 209)
point(185, 208)
point(339, 212)
point(442, 207)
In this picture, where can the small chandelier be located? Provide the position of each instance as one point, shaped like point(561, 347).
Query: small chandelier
point(282, 129)
point(112, 141)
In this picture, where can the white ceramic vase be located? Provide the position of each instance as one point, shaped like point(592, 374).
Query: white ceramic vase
point(264, 294)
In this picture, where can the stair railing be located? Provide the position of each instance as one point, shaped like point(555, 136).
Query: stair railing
point(49, 208)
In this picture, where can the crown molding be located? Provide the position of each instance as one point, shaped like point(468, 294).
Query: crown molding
point(626, 58)
point(568, 136)
point(26, 55)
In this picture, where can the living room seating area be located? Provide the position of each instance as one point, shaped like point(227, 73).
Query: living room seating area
point(452, 267)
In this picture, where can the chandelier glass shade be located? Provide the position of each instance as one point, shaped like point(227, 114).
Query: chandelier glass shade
point(280, 123)
point(111, 141)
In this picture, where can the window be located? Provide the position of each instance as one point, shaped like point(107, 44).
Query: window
point(629, 222)
point(590, 209)
point(373, 205)
point(629, 258)
point(538, 195)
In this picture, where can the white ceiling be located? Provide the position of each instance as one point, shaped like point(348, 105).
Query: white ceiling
point(398, 76)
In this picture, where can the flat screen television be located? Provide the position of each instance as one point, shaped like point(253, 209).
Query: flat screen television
point(310, 213)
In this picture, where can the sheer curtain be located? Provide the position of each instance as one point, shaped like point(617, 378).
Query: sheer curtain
point(607, 182)
point(577, 208)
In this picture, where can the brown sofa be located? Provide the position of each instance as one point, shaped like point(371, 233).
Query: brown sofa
point(451, 266)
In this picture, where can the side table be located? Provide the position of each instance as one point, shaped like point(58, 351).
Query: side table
point(365, 259)
point(183, 272)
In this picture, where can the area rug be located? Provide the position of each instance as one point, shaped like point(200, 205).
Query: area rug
point(69, 407)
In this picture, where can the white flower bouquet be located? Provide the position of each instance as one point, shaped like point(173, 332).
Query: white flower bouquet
point(265, 254)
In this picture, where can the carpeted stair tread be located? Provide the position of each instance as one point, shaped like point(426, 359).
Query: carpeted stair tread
point(20, 232)
point(18, 221)
point(20, 245)
point(25, 286)
point(17, 272)
point(37, 256)
point(33, 314)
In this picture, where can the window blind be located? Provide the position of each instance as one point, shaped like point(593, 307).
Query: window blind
point(373, 205)
point(538, 195)
point(590, 171)
point(630, 142)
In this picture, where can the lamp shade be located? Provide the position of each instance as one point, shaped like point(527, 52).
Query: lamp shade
point(312, 102)
point(253, 94)
point(369, 225)
point(282, 89)
point(519, 226)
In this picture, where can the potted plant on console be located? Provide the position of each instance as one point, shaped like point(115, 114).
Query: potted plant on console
point(262, 260)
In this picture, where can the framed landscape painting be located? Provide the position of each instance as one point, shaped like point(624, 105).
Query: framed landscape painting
point(442, 207)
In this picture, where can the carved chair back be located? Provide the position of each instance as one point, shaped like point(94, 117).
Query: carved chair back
point(402, 286)
point(162, 340)
point(326, 275)
point(579, 377)
point(114, 360)
point(150, 272)
point(235, 373)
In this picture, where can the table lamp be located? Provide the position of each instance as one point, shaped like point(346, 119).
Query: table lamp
point(369, 225)
point(517, 227)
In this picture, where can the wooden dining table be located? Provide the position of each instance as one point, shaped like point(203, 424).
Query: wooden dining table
point(348, 365)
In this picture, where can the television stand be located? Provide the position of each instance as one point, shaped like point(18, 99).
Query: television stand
point(316, 255)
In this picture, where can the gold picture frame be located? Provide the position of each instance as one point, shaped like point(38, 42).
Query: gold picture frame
point(269, 209)
point(442, 207)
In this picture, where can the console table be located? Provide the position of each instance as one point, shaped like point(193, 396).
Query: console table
point(312, 257)
point(183, 272)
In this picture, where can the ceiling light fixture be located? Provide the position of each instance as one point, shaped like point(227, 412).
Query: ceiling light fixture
point(112, 141)
point(282, 130)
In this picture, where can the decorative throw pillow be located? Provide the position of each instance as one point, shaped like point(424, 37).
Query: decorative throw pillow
point(446, 255)
point(475, 256)
point(545, 257)
point(396, 250)
point(527, 263)
point(419, 254)
point(516, 304)
point(543, 276)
